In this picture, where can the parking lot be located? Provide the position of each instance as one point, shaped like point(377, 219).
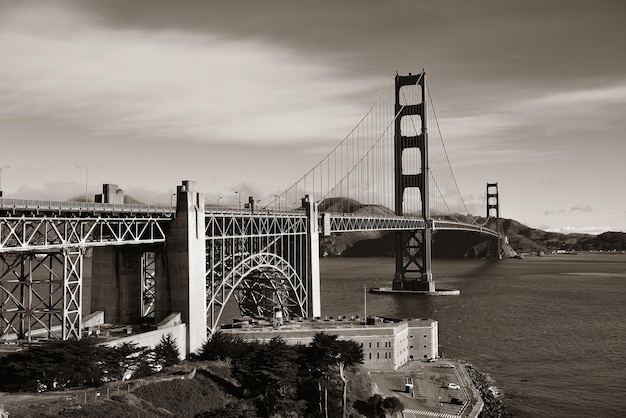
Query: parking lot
point(440, 387)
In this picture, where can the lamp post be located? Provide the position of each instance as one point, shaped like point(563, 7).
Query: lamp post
point(239, 195)
point(218, 200)
point(86, 179)
point(2, 168)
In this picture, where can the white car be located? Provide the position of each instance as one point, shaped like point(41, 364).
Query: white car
point(453, 386)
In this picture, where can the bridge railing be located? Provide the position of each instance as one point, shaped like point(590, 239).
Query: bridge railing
point(17, 205)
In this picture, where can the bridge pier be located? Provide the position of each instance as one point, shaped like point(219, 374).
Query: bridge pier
point(116, 284)
point(413, 251)
point(186, 265)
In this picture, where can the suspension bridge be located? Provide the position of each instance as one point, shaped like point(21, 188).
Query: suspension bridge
point(390, 173)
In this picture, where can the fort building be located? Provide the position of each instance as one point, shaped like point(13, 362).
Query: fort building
point(388, 343)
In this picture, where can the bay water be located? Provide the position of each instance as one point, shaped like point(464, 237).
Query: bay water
point(550, 331)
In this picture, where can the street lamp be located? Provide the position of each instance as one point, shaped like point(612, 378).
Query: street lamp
point(239, 195)
point(218, 200)
point(86, 179)
point(2, 168)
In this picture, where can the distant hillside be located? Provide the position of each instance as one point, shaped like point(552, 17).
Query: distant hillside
point(522, 239)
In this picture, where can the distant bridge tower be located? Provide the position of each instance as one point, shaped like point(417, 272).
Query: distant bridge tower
point(493, 211)
point(413, 248)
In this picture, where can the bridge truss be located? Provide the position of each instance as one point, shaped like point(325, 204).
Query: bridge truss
point(260, 259)
point(42, 250)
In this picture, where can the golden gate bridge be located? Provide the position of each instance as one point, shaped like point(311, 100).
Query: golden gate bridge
point(390, 173)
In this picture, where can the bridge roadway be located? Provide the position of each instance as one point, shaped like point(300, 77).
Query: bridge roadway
point(41, 225)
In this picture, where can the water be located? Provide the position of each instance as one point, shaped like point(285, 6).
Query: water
point(550, 330)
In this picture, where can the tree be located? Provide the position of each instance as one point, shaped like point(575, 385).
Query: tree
point(52, 366)
point(166, 352)
point(327, 352)
point(269, 374)
point(392, 405)
point(221, 347)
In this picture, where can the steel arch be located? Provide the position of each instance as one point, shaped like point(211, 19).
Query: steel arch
point(218, 294)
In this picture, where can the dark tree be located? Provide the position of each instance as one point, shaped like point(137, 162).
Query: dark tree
point(52, 366)
point(327, 354)
point(270, 375)
point(376, 403)
point(222, 347)
point(392, 405)
point(166, 352)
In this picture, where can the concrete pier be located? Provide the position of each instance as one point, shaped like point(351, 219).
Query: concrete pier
point(186, 262)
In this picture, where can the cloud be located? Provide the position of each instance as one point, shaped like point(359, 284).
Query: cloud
point(554, 212)
point(168, 84)
point(581, 207)
point(592, 230)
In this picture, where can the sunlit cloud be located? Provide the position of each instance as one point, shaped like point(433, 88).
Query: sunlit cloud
point(169, 84)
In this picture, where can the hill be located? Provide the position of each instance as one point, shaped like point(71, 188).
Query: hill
point(521, 238)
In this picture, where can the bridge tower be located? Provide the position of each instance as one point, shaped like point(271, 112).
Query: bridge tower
point(414, 248)
point(493, 211)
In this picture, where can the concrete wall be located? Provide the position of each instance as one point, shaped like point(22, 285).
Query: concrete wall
point(111, 193)
point(186, 263)
point(152, 338)
point(116, 283)
point(423, 339)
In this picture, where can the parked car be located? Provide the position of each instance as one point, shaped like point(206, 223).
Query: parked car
point(447, 366)
point(453, 386)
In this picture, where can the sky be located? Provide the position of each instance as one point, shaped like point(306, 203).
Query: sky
point(248, 95)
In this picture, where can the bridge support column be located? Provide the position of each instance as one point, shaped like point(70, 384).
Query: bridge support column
point(493, 211)
point(116, 283)
point(186, 260)
point(413, 250)
point(313, 279)
point(72, 293)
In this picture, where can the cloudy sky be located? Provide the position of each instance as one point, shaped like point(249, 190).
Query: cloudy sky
point(248, 95)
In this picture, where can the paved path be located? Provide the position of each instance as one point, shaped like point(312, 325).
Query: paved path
point(415, 412)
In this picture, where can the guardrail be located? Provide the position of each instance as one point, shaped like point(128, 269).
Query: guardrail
point(17, 205)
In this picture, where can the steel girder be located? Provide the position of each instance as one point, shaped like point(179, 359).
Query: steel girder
point(40, 295)
point(148, 283)
point(44, 233)
point(331, 222)
point(261, 259)
point(349, 223)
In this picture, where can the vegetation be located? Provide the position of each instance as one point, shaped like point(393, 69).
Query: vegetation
point(280, 379)
point(58, 365)
point(230, 378)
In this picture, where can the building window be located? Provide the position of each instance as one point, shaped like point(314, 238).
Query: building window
point(370, 345)
point(377, 344)
point(378, 356)
point(370, 356)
